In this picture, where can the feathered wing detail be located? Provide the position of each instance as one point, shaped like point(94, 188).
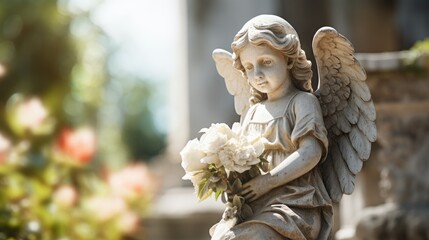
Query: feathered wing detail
point(348, 111)
point(235, 82)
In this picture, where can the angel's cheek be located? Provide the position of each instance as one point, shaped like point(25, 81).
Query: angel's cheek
point(252, 84)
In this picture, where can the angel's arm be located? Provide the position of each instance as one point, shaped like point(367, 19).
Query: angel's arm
point(294, 166)
point(298, 163)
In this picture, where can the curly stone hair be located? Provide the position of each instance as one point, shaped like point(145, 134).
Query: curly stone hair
point(277, 33)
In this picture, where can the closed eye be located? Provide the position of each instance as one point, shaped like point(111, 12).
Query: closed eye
point(248, 67)
point(267, 62)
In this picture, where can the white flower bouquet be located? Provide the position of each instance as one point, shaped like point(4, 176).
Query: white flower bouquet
point(220, 162)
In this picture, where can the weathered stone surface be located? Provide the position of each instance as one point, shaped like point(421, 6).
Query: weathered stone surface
point(394, 222)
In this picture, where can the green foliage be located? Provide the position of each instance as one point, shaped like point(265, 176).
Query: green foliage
point(61, 57)
point(418, 57)
point(139, 132)
point(421, 46)
point(52, 190)
point(213, 180)
point(52, 75)
point(37, 50)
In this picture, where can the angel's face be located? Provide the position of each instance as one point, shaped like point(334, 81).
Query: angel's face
point(266, 68)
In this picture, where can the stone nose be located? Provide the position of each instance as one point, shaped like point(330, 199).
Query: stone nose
point(259, 75)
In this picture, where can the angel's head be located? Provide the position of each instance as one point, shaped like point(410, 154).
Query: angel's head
point(278, 34)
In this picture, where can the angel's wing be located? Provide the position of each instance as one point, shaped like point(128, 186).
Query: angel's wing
point(348, 111)
point(235, 83)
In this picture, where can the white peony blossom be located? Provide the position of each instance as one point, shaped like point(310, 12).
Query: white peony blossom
point(236, 129)
point(192, 155)
point(196, 179)
point(212, 158)
point(239, 154)
point(215, 137)
point(220, 150)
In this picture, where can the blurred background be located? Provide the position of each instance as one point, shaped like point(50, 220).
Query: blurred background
point(98, 97)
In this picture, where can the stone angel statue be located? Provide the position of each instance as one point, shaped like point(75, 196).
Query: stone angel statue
point(316, 141)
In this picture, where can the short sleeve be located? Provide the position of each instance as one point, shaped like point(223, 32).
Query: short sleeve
point(308, 120)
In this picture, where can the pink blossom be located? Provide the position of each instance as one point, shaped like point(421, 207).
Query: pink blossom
point(3, 71)
point(132, 181)
point(78, 144)
point(5, 147)
point(65, 196)
point(128, 222)
point(31, 114)
point(106, 207)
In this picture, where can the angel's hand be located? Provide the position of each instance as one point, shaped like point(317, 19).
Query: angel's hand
point(255, 188)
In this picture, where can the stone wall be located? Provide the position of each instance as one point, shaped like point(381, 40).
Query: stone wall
point(394, 186)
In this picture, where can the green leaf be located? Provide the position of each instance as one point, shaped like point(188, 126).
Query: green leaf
point(236, 186)
point(236, 201)
point(201, 186)
point(263, 159)
point(221, 185)
point(207, 194)
point(218, 193)
point(204, 190)
point(51, 175)
point(39, 191)
point(212, 167)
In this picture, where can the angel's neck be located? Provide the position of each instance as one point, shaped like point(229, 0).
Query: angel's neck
point(281, 92)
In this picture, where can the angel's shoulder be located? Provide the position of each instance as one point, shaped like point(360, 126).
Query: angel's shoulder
point(304, 98)
point(306, 103)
